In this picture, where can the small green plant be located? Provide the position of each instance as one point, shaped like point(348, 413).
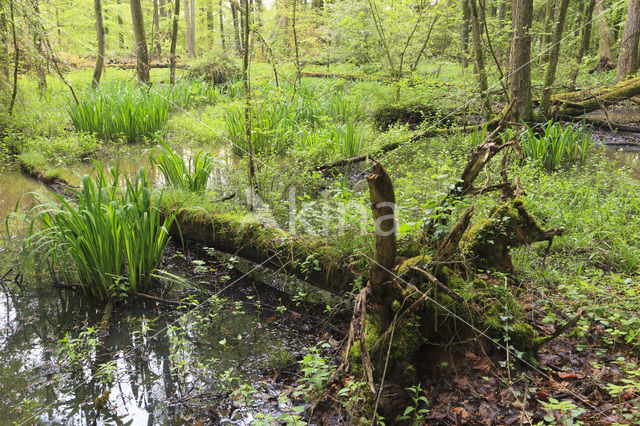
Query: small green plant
point(191, 175)
point(78, 350)
point(563, 412)
point(553, 146)
point(417, 412)
point(315, 369)
point(350, 139)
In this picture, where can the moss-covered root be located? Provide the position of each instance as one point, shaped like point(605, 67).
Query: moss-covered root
point(487, 243)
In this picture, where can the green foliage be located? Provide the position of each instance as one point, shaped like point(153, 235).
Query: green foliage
point(190, 175)
point(215, 67)
point(556, 146)
point(116, 111)
point(113, 236)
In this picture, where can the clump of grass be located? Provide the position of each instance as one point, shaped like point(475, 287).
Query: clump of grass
point(555, 146)
point(350, 139)
point(112, 236)
point(119, 110)
point(191, 175)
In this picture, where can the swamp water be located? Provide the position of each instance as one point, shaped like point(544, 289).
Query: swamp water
point(157, 364)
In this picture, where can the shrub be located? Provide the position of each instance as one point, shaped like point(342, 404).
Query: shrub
point(214, 68)
point(120, 110)
point(411, 114)
point(114, 237)
point(552, 145)
point(191, 175)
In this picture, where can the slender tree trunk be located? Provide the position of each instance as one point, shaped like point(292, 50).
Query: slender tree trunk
point(549, 15)
point(97, 73)
point(120, 23)
point(187, 28)
point(193, 27)
point(584, 42)
point(502, 10)
point(4, 45)
point(222, 40)
point(479, 58)
point(604, 43)
point(464, 33)
point(175, 19)
point(628, 57)
point(295, 43)
point(210, 21)
point(554, 53)
point(519, 61)
point(156, 28)
point(236, 28)
point(247, 94)
point(38, 56)
point(16, 57)
point(142, 53)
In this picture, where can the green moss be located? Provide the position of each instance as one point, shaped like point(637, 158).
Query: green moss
point(412, 262)
point(450, 278)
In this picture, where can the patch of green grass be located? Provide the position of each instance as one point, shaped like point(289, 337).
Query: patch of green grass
point(191, 175)
point(552, 146)
point(116, 111)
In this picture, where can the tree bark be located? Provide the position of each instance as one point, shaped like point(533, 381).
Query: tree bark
point(604, 39)
point(236, 27)
point(628, 57)
point(97, 73)
point(16, 57)
point(187, 28)
point(479, 58)
point(520, 55)
point(549, 15)
point(247, 106)
point(584, 42)
point(220, 17)
point(464, 33)
point(193, 28)
point(554, 53)
point(142, 54)
point(120, 34)
point(175, 20)
point(156, 28)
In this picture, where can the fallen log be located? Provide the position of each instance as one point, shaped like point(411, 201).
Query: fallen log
point(311, 260)
point(578, 103)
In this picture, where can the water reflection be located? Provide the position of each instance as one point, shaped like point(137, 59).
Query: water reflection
point(161, 362)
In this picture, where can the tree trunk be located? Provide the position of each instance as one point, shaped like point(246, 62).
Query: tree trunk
point(4, 45)
point(193, 27)
point(479, 58)
point(222, 40)
point(520, 55)
point(175, 20)
point(554, 53)
point(604, 43)
point(210, 20)
point(584, 42)
point(247, 93)
point(549, 15)
point(120, 34)
point(16, 58)
point(142, 54)
point(236, 28)
point(464, 34)
point(187, 28)
point(156, 28)
point(628, 57)
point(97, 73)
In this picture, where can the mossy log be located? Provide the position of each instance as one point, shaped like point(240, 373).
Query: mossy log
point(574, 104)
point(487, 243)
point(311, 260)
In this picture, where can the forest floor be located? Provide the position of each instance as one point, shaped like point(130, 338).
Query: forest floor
point(589, 375)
